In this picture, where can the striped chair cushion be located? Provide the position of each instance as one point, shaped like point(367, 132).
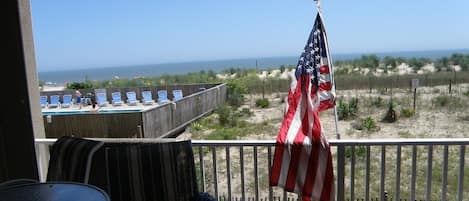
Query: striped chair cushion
point(70, 159)
point(146, 171)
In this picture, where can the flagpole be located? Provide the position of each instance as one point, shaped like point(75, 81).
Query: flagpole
point(329, 58)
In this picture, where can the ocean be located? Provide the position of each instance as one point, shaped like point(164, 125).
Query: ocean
point(153, 70)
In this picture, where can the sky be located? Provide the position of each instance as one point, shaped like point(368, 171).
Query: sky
point(104, 33)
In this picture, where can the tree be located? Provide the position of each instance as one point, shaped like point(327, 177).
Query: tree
point(389, 61)
point(282, 68)
point(79, 85)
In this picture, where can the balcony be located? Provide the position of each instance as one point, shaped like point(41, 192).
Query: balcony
point(377, 169)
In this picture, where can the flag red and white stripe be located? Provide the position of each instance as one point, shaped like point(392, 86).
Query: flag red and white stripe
point(303, 160)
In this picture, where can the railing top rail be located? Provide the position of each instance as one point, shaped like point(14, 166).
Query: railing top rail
point(343, 142)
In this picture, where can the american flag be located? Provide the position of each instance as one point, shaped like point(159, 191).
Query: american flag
point(302, 161)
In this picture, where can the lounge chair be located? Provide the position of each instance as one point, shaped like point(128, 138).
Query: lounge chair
point(177, 95)
point(117, 98)
point(54, 101)
point(101, 99)
point(163, 96)
point(147, 98)
point(132, 98)
point(66, 100)
point(43, 101)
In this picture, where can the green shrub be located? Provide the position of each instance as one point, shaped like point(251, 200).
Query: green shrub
point(246, 111)
point(196, 126)
point(441, 101)
point(262, 102)
point(353, 105)
point(367, 124)
point(391, 115)
point(405, 112)
point(235, 93)
point(224, 134)
point(224, 115)
point(377, 102)
point(347, 110)
point(342, 110)
point(79, 85)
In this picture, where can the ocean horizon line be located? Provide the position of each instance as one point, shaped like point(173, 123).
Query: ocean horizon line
point(172, 68)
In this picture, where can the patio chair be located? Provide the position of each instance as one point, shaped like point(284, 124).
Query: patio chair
point(70, 159)
point(101, 99)
point(117, 98)
point(132, 98)
point(163, 96)
point(66, 100)
point(177, 94)
point(147, 98)
point(43, 101)
point(158, 171)
point(54, 101)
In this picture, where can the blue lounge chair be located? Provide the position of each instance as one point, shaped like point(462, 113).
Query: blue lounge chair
point(117, 99)
point(132, 98)
point(101, 99)
point(43, 101)
point(177, 95)
point(163, 96)
point(54, 101)
point(66, 100)
point(147, 98)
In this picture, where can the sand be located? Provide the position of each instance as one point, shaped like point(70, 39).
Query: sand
point(430, 120)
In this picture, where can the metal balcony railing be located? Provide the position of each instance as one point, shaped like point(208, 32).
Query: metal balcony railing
point(375, 169)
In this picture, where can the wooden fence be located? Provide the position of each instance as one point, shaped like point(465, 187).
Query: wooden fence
point(159, 121)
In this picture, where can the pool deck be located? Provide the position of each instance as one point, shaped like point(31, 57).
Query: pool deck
point(88, 108)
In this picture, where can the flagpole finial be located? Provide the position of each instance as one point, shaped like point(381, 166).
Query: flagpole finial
point(318, 4)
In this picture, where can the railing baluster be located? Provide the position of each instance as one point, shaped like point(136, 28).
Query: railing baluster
point(202, 147)
point(256, 174)
point(445, 173)
point(202, 169)
point(214, 162)
point(228, 171)
point(429, 172)
point(383, 172)
point(461, 172)
point(367, 173)
point(413, 173)
point(241, 164)
point(352, 174)
point(398, 173)
point(340, 171)
point(269, 163)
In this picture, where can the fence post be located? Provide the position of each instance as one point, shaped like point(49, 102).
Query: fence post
point(449, 86)
point(369, 84)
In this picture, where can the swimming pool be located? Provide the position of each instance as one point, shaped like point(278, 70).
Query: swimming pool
point(102, 111)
